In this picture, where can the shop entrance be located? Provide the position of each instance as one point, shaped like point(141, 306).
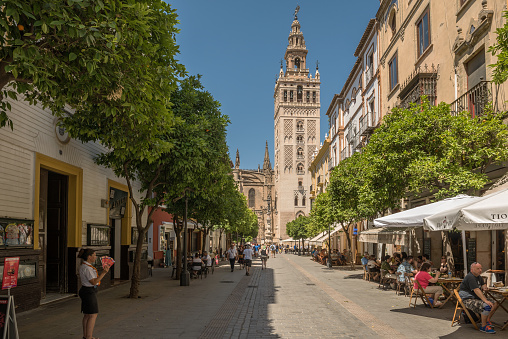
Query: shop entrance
point(53, 230)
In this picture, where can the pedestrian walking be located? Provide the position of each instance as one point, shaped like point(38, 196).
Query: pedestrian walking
point(232, 256)
point(247, 257)
point(90, 280)
point(264, 257)
point(272, 249)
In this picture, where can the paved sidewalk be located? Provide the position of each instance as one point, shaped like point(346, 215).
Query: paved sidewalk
point(294, 297)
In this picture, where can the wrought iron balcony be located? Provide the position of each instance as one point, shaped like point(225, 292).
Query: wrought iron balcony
point(474, 100)
point(423, 81)
point(368, 123)
point(369, 73)
point(343, 154)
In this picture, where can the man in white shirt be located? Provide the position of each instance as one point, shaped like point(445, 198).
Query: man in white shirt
point(232, 255)
point(207, 259)
point(247, 257)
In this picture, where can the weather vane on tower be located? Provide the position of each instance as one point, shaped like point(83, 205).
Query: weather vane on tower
point(297, 9)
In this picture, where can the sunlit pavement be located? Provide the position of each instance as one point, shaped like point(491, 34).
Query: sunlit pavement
point(293, 297)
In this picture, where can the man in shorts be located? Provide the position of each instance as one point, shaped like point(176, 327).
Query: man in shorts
point(247, 257)
point(272, 248)
point(473, 298)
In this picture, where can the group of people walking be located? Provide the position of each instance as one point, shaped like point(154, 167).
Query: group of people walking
point(243, 255)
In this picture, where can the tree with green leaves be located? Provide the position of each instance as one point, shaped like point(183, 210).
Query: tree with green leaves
point(198, 160)
point(298, 228)
point(115, 56)
point(500, 49)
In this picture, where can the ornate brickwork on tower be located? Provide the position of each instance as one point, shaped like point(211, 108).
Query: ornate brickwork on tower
point(296, 133)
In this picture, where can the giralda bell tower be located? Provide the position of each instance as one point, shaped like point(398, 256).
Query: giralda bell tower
point(296, 134)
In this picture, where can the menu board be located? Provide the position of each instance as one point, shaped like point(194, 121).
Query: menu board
point(471, 251)
point(16, 232)
point(426, 247)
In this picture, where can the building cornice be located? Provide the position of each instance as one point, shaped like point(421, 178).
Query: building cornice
point(365, 37)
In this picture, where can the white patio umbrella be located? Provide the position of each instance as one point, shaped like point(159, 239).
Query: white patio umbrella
point(414, 217)
point(489, 212)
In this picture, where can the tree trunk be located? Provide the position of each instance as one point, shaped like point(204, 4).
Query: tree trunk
point(179, 246)
point(136, 271)
point(348, 238)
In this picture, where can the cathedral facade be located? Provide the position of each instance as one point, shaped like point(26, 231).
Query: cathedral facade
point(296, 132)
point(258, 188)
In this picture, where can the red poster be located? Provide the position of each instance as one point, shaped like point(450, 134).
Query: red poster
point(10, 278)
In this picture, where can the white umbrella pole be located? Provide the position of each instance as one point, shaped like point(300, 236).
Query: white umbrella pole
point(464, 244)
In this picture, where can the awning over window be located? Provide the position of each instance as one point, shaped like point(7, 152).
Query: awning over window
point(385, 235)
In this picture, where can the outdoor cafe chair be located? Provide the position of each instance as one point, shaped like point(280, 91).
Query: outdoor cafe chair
point(419, 292)
point(401, 286)
point(366, 273)
point(383, 279)
point(459, 307)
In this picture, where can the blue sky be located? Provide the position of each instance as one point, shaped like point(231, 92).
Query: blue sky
point(237, 45)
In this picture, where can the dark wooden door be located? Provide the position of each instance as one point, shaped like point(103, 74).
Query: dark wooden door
point(56, 233)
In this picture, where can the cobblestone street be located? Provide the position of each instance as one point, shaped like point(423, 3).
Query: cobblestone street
point(294, 297)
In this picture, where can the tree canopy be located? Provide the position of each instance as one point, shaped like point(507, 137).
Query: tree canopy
point(89, 56)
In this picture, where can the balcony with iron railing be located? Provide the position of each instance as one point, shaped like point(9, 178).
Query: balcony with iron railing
point(343, 154)
point(474, 101)
point(422, 82)
point(369, 74)
point(368, 123)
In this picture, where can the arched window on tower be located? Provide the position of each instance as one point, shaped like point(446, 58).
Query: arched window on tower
point(299, 139)
point(299, 93)
point(252, 198)
point(296, 200)
point(299, 153)
point(299, 126)
point(297, 60)
point(303, 201)
point(299, 169)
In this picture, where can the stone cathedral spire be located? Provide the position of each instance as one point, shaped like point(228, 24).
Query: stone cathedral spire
point(237, 161)
point(296, 131)
point(266, 164)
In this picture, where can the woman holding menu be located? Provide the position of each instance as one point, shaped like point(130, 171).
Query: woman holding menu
point(90, 280)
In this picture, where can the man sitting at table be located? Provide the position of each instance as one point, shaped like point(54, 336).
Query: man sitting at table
point(405, 267)
point(473, 298)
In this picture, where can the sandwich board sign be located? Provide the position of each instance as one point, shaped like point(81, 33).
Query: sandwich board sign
point(8, 323)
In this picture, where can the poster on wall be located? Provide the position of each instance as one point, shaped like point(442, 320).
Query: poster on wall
point(10, 276)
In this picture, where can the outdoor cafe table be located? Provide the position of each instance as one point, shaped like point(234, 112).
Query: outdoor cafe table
point(449, 284)
point(494, 293)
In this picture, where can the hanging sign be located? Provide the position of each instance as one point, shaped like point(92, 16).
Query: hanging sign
point(10, 277)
